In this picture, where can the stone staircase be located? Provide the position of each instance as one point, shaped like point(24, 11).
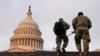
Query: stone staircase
point(44, 53)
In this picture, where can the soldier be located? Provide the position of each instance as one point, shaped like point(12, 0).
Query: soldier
point(81, 25)
point(60, 31)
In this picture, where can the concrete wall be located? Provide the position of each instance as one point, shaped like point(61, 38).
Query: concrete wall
point(44, 53)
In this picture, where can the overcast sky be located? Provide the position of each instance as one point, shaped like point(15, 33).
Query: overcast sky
point(46, 13)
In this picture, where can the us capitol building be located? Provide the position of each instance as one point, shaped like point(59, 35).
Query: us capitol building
point(27, 36)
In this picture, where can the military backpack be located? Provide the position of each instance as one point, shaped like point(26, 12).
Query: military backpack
point(59, 28)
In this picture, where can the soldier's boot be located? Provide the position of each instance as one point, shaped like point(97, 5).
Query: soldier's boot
point(63, 49)
point(80, 53)
point(58, 52)
point(85, 54)
point(64, 46)
point(79, 49)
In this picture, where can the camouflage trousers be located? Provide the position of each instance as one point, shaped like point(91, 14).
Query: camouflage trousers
point(82, 35)
point(59, 40)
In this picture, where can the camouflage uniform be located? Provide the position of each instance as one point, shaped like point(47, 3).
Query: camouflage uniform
point(81, 25)
point(61, 37)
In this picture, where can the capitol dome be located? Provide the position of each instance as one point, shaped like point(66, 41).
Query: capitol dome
point(28, 21)
point(27, 36)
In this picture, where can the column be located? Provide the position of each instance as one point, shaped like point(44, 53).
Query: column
point(11, 43)
point(14, 42)
point(37, 43)
point(24, 41)
point(18, 41)
point(21, 41)
point(31, 42)
point(40, 44)
point(34, 42)
point(27, 41)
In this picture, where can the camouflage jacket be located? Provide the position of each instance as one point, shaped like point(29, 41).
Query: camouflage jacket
point(81, 23)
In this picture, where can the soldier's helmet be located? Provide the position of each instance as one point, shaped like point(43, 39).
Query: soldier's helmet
point(80, 13)
point(60, 19)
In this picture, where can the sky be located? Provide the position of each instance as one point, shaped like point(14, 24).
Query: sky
point(45, 13)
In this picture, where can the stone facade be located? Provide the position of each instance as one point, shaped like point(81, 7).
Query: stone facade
point(27, 36)
point(97, 50)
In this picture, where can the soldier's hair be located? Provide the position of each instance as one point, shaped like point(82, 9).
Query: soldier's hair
point(80, 13)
